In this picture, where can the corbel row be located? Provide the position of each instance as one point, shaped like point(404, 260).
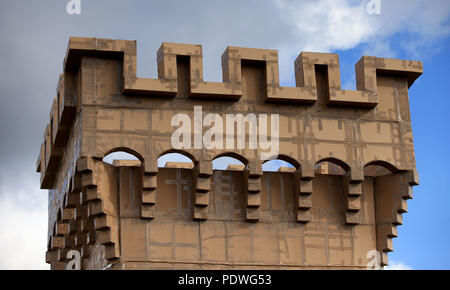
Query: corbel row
point(83, 219)
point(304, 178)
point(98, 221)
point(387, 221)
point(62, 239)
point(353, 189)
point(252, 191)
point(64, 236)
point(304, 188)
point(149, 184)
point(202, 187)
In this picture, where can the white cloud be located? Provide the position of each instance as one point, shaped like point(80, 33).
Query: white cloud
point(23, 227)
point(327, 25)
point(393, 265)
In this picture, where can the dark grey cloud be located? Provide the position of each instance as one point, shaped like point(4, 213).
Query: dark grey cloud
point(34, 36)
point(35, 33)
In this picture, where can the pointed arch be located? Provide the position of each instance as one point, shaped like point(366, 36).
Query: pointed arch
point(126, 150)
point(232, 155)
point(379, 168)
point(285, 158)
point(181, 152)
point(336, 161)
point(384, 164)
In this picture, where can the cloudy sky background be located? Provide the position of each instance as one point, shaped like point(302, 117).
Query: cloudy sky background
point(34, 36)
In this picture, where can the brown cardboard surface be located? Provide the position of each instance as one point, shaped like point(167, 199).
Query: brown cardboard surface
point(352, 153)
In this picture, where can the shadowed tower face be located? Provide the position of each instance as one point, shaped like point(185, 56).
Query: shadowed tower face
point(351, 160)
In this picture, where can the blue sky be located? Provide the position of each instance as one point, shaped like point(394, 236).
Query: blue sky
point(424, 238)
point(34, 39)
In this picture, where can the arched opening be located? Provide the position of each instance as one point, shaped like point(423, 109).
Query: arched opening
point(175, 180)
point(278, 190)
point(229, 161)
point(329, 195)
point(176, 160)
point(278, 165)
point(378, 168)
point(282, 163)
point(123, 157)
point(227, 186)
point(331, 166)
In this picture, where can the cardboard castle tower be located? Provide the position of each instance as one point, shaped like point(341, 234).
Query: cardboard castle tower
point(352, 153)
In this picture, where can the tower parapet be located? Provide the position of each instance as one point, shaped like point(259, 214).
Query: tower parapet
point(325, 217)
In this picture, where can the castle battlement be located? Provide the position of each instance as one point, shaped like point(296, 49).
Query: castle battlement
point(326, 217)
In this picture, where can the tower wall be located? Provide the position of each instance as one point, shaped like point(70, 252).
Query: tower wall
point(142, 216)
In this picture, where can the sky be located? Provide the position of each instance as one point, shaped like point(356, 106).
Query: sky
point(34, 36)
